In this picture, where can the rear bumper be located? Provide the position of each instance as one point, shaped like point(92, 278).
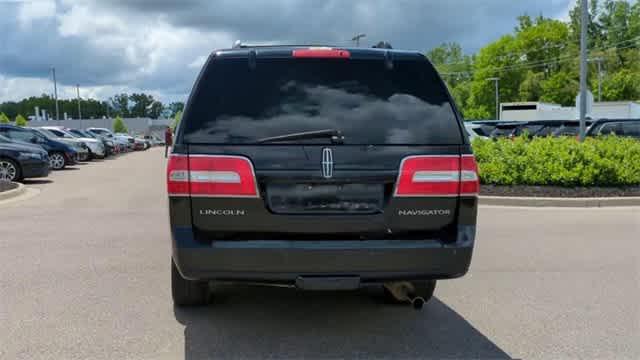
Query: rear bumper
point(372, 261)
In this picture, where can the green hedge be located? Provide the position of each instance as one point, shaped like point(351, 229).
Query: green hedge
point(603, 161)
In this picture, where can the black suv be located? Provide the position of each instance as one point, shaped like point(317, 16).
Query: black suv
point(320, 168)
point(619, 127)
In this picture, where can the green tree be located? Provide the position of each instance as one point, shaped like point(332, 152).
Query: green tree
point(120, 104)
point(531, 87)
point(155, 110)
point(141, 104)
point(3, 118)
point(594, 29)
point(495, 60)
point(174, 107)
point(477, 113)
point(176, 120)
point(561, 88)
point(455, 67)
point(623, 85)
point(21, 121)
point(119, 126)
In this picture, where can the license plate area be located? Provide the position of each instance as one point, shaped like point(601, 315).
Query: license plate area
point(322, 283)
point(325, 198)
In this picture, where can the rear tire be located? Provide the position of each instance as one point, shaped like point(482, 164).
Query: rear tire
point(10, 170)
point(57, 161)
point(423, 288)
point(187, 292)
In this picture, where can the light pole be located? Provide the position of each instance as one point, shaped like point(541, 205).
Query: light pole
point(497, 81)
point(79, 112)
point(583, 68)
point(55, 92)
point(357, 38)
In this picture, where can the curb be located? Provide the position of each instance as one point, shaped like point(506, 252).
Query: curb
point(10, 194)
point(559, 202)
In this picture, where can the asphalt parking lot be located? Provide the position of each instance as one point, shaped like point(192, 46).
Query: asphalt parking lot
point(84, 270)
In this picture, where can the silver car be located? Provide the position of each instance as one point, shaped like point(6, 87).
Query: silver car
point(96, 148)
point(81, 149)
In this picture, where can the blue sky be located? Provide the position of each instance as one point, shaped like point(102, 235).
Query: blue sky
point(158, 46)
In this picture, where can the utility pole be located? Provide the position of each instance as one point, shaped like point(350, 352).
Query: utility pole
point(79, 112)
point(357, 38)
point(497, 81)
point(583, 68)
point(55, 92)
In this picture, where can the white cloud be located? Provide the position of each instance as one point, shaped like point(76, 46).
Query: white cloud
point(31, 11)
point(111, 46)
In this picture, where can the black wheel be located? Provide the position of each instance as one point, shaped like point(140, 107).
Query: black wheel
point(9, 170)
point(422, 288)
point(57, 161)
point(187, 292)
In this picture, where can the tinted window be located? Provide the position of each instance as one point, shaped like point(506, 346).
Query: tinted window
point(502, 131)
point(567, 130)
point(55, 132)
point(22, 135)
point(528, 129)
point(99, 131)
point(631, 128)
point(361, 98)
point(43, 134)
point(485, 130)
point(546, 130)
point(611, 128)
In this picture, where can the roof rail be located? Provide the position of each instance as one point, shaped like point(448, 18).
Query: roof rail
point(239, 45)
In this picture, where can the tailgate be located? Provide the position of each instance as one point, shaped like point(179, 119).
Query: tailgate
point(298, 193)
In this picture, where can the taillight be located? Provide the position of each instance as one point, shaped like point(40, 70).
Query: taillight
point(321, 52)
point(178, 175)
point(211, 176)
point(469, 179)
point(437, 175)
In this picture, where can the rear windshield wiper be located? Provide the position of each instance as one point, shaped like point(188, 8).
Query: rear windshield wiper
point(335, 135)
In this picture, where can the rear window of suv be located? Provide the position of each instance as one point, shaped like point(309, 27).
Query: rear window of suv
point(369, 104)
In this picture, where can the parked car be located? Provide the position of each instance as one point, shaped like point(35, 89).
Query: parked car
point(121, 145)
point(108, 144)
point(550, 128)
point(95, 149)
point(127, 141)
point(505, 129)
point(323, 169)
point(140, 144)
point(154, 140)
point(619, 127)
point(82, 150)
point(486, 126)
point(474, 131)
point(101, 132)
point(21, 161)
point(60, 154)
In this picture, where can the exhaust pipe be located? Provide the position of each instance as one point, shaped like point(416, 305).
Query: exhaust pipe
point(402, 291)
point(417, 303)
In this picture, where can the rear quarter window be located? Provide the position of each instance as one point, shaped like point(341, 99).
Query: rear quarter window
point(369, 104)
point(631, 128)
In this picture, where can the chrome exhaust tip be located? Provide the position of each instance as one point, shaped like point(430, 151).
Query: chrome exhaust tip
point(417, 303)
